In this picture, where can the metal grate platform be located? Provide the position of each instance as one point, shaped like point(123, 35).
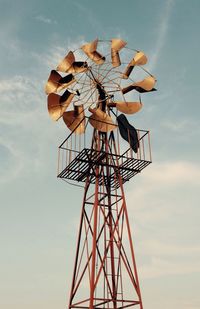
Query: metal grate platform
point(84, 163)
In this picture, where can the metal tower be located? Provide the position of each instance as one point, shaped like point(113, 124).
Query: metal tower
point(103, 158)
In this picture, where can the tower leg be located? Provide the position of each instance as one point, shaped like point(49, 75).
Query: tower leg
point(94, 242)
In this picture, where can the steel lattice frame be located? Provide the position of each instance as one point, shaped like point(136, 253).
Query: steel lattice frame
point(102, 258)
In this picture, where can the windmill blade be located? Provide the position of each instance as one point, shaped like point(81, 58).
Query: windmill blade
point(78, 67)
point(67, 80)
point(90, 50)
point(116, 46)
point(139, 59)
point(139, 89)
point(58, 104)
point(68, 64)
point(53, 82)
point(101, 121)
point(128, 132)
point(127, 107)
point(75, 120)
point(56, 82)
point(144, 85)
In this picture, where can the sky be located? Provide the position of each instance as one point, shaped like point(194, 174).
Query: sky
point(40, 213)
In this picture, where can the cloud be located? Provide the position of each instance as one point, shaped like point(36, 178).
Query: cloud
point(173, 173)
point(20, 98)
point(162, 33)
point(160, 267)
point(11, 164)
point(57, 52)
point(26, 130)
point(162, 208)
point(25, 127)
point(187, 125)
point(45, 19)
point(158, 248)
point(164, 176)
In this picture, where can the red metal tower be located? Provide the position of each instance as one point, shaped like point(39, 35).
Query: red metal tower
point(105, 273)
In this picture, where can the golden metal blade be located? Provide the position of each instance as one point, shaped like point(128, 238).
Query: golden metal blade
point(144, 85)
point(129, 107)
point(101, 121)
point(147, 83)
point(58, 104)
point(78, 67)
point(90, 50)
point(139, 59)
point(66, 81)
point(66, 63)
point(115, 58)
point(53, 81)
point(75, 119)
point(116, 46)
point(56, 82)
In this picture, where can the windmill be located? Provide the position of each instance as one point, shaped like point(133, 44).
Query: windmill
point(91, 90)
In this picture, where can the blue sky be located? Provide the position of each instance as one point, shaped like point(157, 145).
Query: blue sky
point(40, 214)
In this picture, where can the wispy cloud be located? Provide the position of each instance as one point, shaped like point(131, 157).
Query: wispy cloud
point(182, 126)
point(57, 52)
point(11, 163)
point(45, 19)
point(163, 27)
point(24, 119)
point(160, 267)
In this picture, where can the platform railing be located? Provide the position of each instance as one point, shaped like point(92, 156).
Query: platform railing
point(76, 146)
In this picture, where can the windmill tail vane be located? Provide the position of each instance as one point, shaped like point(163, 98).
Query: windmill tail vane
point(92, 89)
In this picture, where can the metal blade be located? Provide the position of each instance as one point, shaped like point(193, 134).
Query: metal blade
point(115, 58)
point(116, 46)
point(75, 119)
point(129, 107)
point(139, 59)
point(101, 121)
point(66, 63)
point(58, 104)
point(78, 67)
point(145, 85)
point(90, 50)
point(56, 82)
point(53, 82)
